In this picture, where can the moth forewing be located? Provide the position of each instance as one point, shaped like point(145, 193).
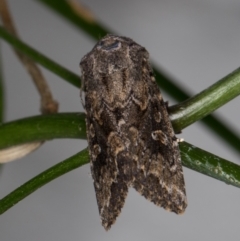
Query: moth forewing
point(130, 136)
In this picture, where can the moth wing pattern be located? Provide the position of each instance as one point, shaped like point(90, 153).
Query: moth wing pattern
point(159, 175)
point(109, 181)
point(130, 136)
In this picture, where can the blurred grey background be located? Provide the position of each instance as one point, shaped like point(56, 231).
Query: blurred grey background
point(197, 42)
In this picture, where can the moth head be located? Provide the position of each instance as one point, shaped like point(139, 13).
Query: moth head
point(109, 45)
point(113, 54)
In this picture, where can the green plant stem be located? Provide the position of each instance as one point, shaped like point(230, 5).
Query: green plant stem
point(204, 103)
point(45, 177)
point(40, 58)
point(43, 127)
point(96, 31)
point(209, 164)
point(192, 157)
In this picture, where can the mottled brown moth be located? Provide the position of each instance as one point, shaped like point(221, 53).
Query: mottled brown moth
point(130, 136)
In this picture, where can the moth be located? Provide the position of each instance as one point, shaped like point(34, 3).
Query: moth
point(130, 136)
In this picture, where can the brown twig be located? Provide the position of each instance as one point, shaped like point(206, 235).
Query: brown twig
point(81, 10)
point(48, 104)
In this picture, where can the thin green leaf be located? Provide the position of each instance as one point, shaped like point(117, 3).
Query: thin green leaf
point(42, 179)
